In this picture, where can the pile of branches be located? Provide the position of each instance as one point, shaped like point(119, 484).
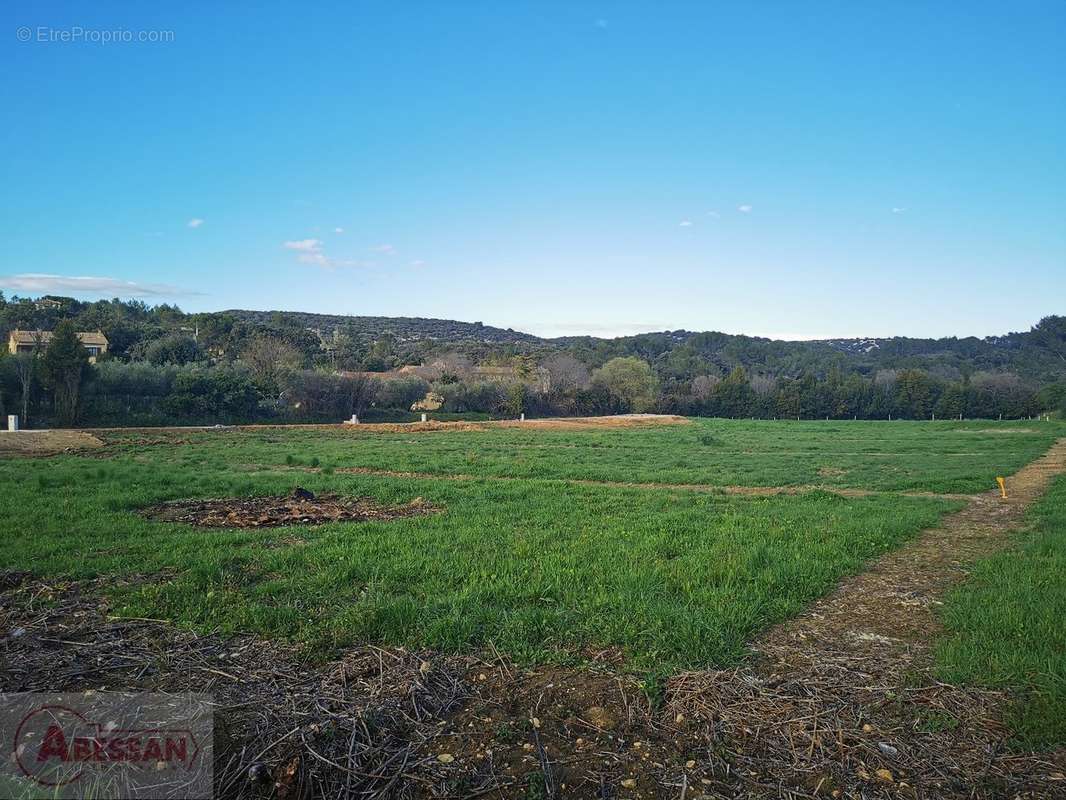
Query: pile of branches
point(829, 724)
point(283, 727)
point(300, 507)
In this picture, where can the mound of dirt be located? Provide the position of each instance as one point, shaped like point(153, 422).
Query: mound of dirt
point(45, 443)
point(547, 423)
point(299, 508)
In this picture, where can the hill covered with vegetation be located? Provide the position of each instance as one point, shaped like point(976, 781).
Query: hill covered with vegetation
point(253, 355)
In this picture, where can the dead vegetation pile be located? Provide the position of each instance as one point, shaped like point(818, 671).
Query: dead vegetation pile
point(300, 507)
point(376, 723)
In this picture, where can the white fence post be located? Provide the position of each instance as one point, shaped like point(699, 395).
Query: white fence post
point(12, 422)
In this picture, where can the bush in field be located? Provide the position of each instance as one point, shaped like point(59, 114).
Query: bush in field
point(218, 394)
point(322, 395)
point(129, 394)
point(400, 392)
point(485, 396)
point(113, 378)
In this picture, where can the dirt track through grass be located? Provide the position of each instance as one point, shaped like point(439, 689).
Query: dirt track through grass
point(845, 690)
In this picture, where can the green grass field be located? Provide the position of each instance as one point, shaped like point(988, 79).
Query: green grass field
point(897, 456)
point(1007, 625)
point(540, 566)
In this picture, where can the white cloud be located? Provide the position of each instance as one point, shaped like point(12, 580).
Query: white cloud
point(195, 222)
point(418, 262)
point(686, 223)
point(309, 251)
point(338, 230)
point(385, 249)
point(898, 210)
point(86, 284)
point(304, 245)
point(600, 23)
point(714, 214)
point(744, 209)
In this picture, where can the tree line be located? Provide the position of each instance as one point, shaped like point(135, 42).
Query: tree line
point(166, 367)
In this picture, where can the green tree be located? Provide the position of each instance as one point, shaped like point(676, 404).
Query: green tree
point(734, 395)
point(629, 383)
point(176, 348)
point(65, 368)
point(269, 357)
point(1050, 333)
point(952, 402)
point(25, 369)
point(914, 394)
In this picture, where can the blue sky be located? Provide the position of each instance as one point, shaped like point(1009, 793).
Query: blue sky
point(778, 169)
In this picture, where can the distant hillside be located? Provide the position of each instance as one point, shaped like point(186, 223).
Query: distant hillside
point(138, 331)
point(404, 329)
point(1038, 355)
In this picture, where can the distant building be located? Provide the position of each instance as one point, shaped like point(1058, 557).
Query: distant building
point(43, 303)
point(28, 341)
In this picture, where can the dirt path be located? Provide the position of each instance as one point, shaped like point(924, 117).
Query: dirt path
point(540, 423)
point(844, 699)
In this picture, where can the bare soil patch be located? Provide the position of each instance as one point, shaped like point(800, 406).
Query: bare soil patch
point(299, 508)
point(545, 424)
point(46, 443)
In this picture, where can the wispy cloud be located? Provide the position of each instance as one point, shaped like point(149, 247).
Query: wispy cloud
point(600, 23)
point(310, 251)
point(418, 262)
point(713, 214)
point(384, 249)
point(304, 245)
point(898, 210)
point(685, 223)
point(744, 209)
point(195, 222)
point(338, 230)
point(89, 285)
